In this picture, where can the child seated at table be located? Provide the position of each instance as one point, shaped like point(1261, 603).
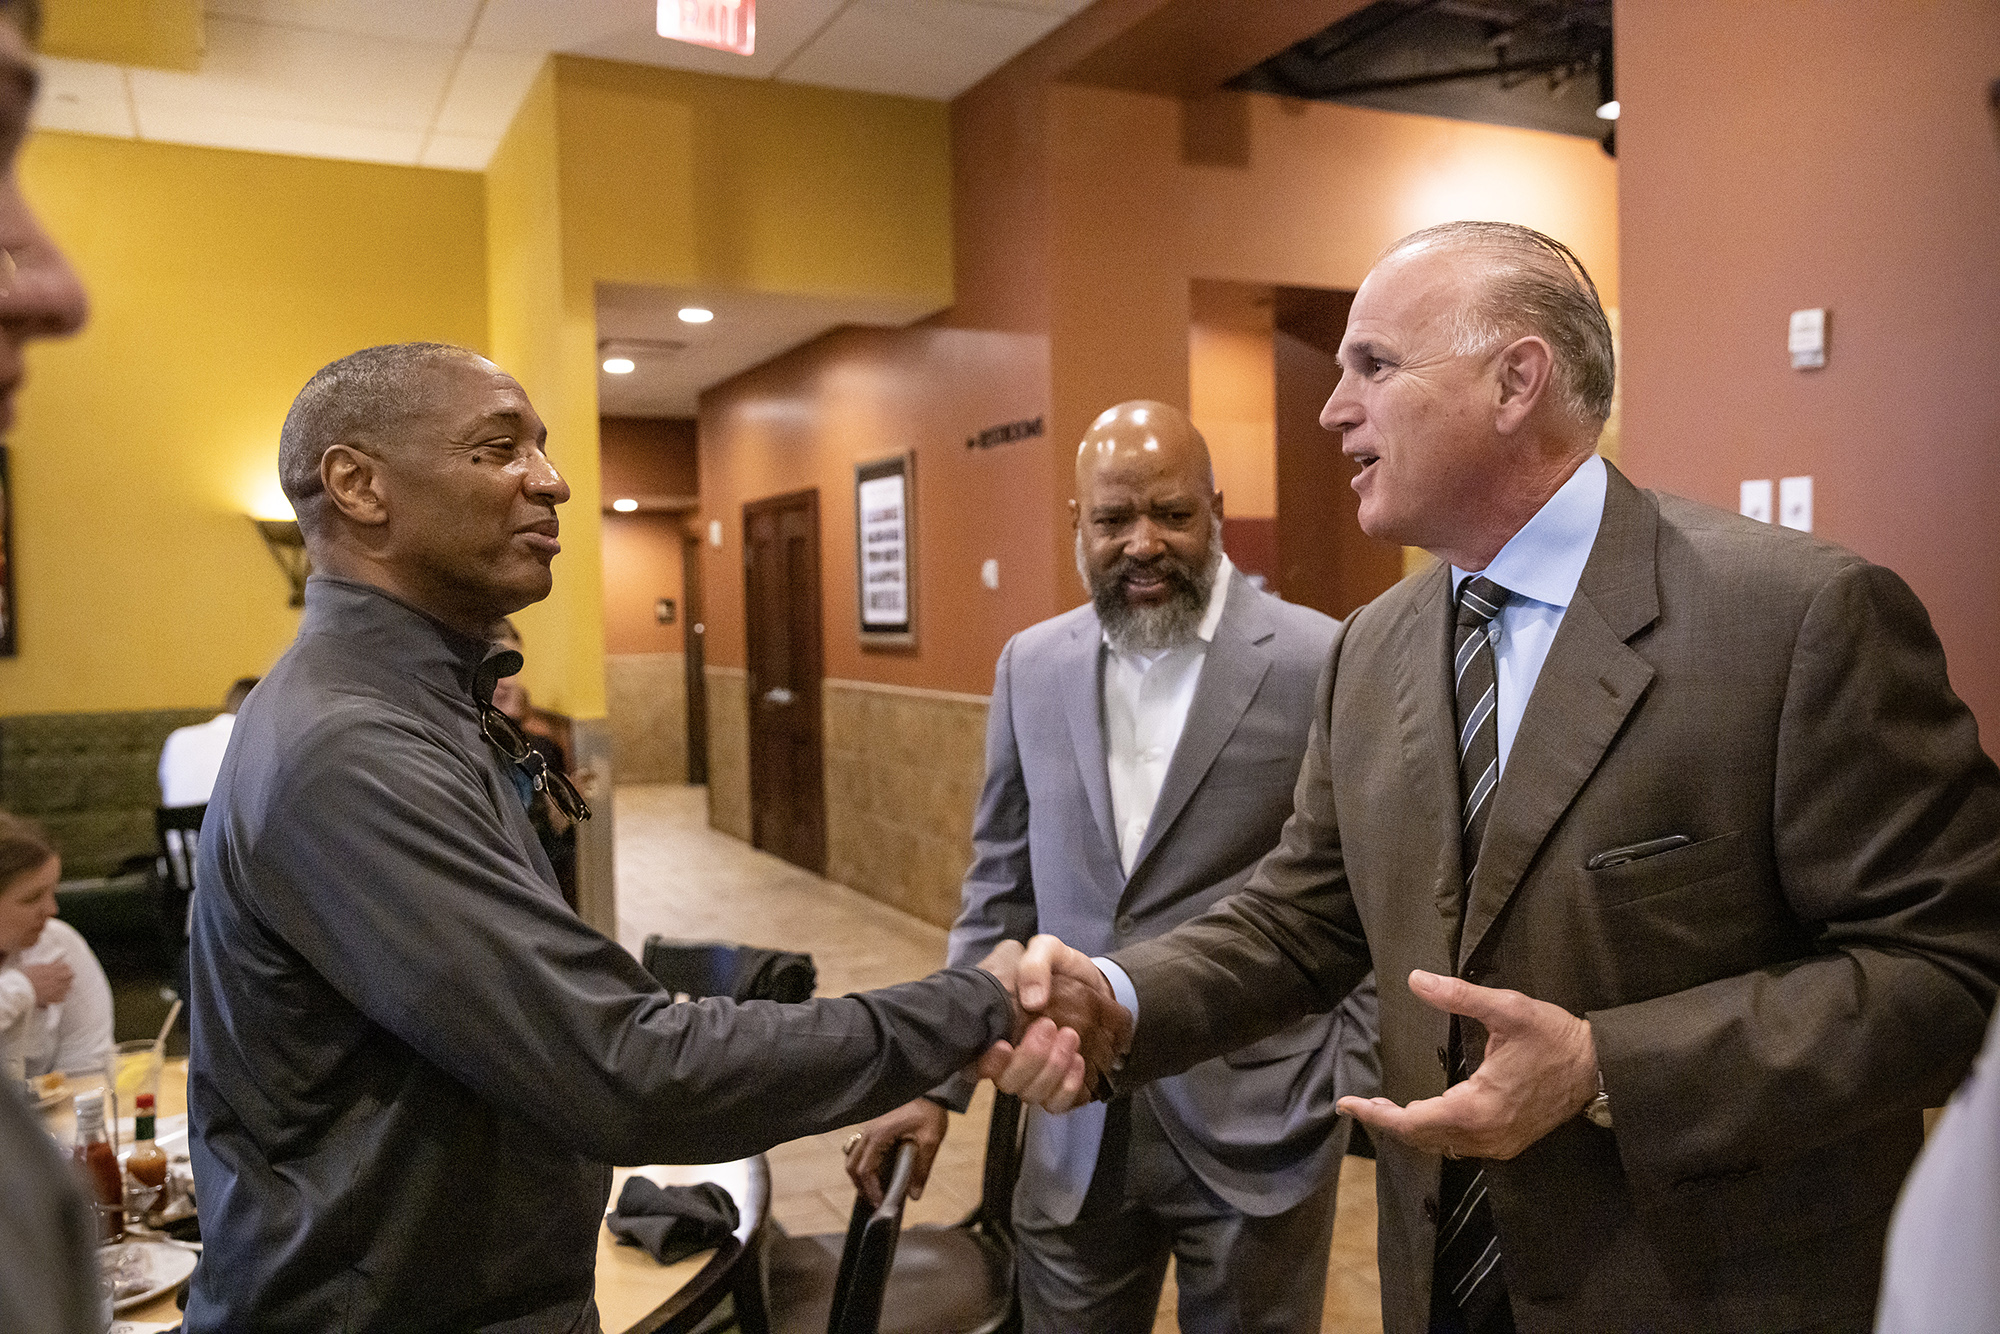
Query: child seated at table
point(55, 1005)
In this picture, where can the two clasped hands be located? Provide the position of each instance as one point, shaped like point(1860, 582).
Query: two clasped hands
point(1070, 1033)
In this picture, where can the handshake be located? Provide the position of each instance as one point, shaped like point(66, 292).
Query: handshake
point(1069, 1032)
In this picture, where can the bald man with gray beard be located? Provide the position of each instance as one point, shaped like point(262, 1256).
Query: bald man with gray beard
point(1140, 755)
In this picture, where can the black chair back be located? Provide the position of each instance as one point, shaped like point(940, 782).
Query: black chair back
point(1003, 1168)
point(178, 831)
point(698, 968)
point(958, 1279)
point(870, 1251)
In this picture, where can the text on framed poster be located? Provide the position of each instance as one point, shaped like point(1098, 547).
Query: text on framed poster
point(884, 526)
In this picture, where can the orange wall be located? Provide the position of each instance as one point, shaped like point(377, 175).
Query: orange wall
point(858, 395)
point(642, 562)
point(1859, 172)
point(648, 456)
point(1080, 230)
point(644, 457)
point(1232, 387)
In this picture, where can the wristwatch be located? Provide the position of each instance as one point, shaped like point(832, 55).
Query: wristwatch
point(1598, 1109)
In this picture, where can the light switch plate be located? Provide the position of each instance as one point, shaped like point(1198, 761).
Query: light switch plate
point(1755, 500)
point(1807, 339)
point(1795, 503)
point(715, 532)
point(989, 573)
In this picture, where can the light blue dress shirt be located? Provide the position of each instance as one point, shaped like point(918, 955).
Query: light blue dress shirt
point(1541, 566)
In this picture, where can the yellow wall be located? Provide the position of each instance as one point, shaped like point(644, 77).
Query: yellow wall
point(627, 174)
point(677, 178)
point(222, 280)
point(163, 34)
point(544, 334)
point(219, 282)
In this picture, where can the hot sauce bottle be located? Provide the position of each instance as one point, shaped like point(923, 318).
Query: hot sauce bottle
point(98, 1162)
point(147, 1163)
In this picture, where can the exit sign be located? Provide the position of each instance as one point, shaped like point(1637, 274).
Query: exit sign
point(726, 25)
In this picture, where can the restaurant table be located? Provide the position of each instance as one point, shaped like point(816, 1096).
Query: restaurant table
point(635, 1293)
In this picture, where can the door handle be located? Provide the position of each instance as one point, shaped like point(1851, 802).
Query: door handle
point(778, 695)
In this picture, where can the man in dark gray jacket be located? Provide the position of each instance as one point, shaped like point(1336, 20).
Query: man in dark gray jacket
point(412, 1062)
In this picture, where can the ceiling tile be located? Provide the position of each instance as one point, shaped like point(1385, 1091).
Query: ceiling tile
point(749, 329)
point(486, 90)
point(271, 134)
point(919, 48)
point(435, 22)
point(458, 152)
point(537, 25)
point(370, 78)
point(255, 70)
point(781, 30)
point(84, 96)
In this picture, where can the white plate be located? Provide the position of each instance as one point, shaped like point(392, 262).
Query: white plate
point(168, 1263)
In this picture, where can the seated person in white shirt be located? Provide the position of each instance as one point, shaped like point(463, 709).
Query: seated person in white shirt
point(193, 755)
point(55, 1006)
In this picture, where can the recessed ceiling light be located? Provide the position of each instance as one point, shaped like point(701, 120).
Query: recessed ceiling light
point(625, 505)
point(696, 315)
point(618, 365)
point(1609, 111)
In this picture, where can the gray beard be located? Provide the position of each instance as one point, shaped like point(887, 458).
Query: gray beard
point(1154, 629)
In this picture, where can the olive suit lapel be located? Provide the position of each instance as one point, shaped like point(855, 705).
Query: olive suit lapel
point(1589, 684)
point(1417, 652)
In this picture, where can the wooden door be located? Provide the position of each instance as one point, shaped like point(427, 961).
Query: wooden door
point(781, 608)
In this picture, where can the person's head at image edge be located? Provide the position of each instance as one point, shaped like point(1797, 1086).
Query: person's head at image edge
point(40, 295)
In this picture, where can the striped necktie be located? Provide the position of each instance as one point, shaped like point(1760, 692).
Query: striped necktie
point(1479, 601)
point(1467, 1291)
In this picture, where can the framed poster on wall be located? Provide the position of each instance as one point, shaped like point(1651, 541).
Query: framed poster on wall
point(885, 551)
point(8, 643)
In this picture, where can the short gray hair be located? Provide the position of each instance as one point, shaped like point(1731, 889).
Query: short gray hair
point(361, 398)
point(1537, 285)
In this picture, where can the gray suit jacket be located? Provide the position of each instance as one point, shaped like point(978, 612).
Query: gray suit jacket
point(1773, 1004)
point(1255, 1124)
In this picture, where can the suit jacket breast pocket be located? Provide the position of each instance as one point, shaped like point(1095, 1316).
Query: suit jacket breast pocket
point(1665, 872)
point(1683, 918)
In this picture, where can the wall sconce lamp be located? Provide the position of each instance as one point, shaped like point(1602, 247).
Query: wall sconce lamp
point(288, 547)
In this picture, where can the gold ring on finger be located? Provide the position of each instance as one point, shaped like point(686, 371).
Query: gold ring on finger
point(852, 1140)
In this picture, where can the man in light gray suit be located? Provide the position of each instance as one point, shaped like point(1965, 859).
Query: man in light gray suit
point(1140, 758)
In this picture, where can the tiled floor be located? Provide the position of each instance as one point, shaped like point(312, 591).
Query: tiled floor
point(678, 877)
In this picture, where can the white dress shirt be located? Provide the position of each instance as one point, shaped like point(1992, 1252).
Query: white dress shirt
point(191, 759)
point(74, 1034)
point(1146, 700)
point(1540, 566)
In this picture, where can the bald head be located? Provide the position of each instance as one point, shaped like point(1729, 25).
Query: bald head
point(1148, 524)
point(1141, 432)
point(1523, 282)
point(365, 399)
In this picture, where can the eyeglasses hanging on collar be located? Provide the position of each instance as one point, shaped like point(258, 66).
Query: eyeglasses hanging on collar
point(504, 733)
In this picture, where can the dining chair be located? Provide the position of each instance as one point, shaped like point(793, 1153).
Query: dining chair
point(956, 1279)
point(698, 968)
point(177, 834)
point(693, 969)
